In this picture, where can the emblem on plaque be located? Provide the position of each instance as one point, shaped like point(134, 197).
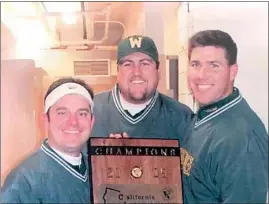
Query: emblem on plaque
point(136, 172)
point(167, 193)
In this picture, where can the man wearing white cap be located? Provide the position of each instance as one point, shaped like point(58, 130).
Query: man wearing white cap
point(57, 172)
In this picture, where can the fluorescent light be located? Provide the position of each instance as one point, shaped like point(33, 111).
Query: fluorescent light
point(62, 6)
point(19, 8)
point(67, 8)
point(30, 37)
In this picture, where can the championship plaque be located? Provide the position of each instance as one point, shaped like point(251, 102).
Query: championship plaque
point(135, 171)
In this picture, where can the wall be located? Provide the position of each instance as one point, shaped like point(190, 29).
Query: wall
point(171, 31)
point(134, 21)
point(247, 23)
point(185, 29)
point(8, 43)
point(20, 112)
point(60, 62)
point(161, 26)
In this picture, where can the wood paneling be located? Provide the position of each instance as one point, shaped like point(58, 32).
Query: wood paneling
point(19, 115)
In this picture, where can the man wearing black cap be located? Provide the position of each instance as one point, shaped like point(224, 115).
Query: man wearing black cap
point(134, 107)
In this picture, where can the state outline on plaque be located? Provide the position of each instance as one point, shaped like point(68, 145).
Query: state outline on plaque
point(107, 192)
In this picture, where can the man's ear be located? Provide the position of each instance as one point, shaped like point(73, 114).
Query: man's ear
point(118, 76)
point(159, 74)
point(233, 71)
point(45, 120)
point(92, 121)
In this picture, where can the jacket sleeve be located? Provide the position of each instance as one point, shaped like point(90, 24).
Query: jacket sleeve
point(240, 167)
point(18, 189)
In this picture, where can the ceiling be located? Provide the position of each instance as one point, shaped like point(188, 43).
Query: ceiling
point(70, 24)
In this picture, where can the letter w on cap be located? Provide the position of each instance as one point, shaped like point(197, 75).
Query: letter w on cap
point(135, 42)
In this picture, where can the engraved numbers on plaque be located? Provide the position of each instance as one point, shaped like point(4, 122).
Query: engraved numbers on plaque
point(159, 172)
point(113, 172)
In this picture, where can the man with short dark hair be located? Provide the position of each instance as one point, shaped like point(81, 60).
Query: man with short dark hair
point(57, 172)
point(225, 155)
point(134, 107)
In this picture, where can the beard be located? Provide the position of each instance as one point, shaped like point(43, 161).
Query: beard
point(137, 96)
point(139, 99)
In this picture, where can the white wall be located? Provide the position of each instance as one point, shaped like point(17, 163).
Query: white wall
point(247, 23)
point(8, 43)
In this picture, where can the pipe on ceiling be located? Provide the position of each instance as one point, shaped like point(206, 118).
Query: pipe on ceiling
point(63, 44)
point(84, 42)
point(88, 42)
point(84, 20)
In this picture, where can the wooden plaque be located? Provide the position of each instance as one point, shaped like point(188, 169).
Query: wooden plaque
point(135, 171)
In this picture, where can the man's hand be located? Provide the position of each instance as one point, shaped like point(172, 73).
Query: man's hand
point(117, 135)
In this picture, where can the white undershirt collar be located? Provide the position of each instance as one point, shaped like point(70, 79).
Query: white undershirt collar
point(70, 159)
point(132, 108)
